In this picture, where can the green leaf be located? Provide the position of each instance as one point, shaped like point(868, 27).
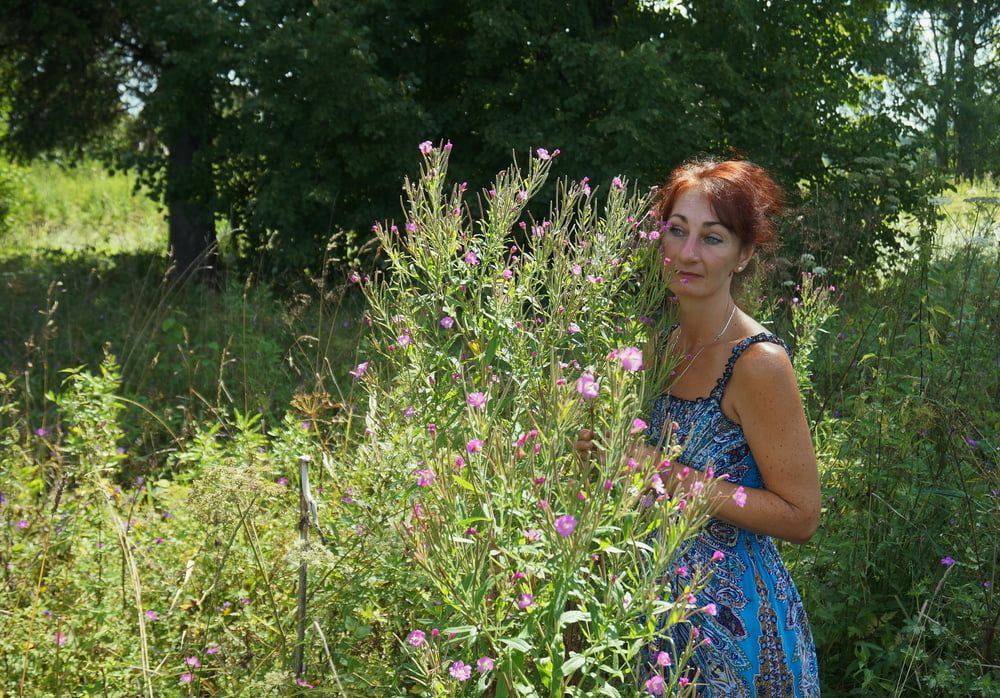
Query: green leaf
point(463, 483)
point(569, 617)
point(517, 643)
point(573, 663)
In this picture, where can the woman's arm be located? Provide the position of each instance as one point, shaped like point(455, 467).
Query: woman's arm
point(765, 401)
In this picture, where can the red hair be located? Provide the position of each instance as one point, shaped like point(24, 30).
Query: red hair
point(743, 196)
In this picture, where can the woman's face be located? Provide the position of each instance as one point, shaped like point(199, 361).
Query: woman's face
point(703, 253)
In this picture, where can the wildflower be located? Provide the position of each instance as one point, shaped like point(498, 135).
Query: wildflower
point(186, 677)
point(681, 571)
point(572, 328)
point(459, 462)
point(517, 576)
point(663, 659)
point(245, 602)
point(460, 671)
point(711, 609)
point(152, 615)
point(543, 504)
point(359, 370)
point(403, 340)
point(631, 358)
point(476, 400)
point(435, 632)
point(22, 523)
point(576, 270)
point(474, 446)
point(608, 485)
point(484, 664)
point(432, 428)
point(972, 443)
point(525, 600)
point(59, 639)
point(740, 497)
point(192, 661)
point(587, 387)
point(447, 147)
point(471, 258)
point(213, 650)
point(683, 681)
point(565, 525)
point(447, 322)
point(41, 432)
point(303, 683)
point(947, 561)
point(425, 478)
point(411, 227)
point(283, 481)
point(718, 555)
point(585, 186)
point(617, 183)
point(655, 685)
point(471, 531)
point(426, 148)
point(354, 277)
point(638, 426)
point(656, 482)
point(409, 411)
point(522, 195)
point(507, 274)
point(417, 638)
point(532, 535)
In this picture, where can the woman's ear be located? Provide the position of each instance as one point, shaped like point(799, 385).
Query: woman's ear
point(746, 254)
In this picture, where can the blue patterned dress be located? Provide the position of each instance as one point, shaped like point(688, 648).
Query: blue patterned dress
point(761, 644)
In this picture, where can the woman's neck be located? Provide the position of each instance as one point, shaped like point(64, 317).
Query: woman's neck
point(701, 319)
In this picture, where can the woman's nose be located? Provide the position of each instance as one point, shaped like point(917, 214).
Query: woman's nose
point(689, 249)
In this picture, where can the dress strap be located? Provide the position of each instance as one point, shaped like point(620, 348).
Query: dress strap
point(741, 346)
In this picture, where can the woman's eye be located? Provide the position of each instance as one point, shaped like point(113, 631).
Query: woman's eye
point(676, 231)
point(713, 240)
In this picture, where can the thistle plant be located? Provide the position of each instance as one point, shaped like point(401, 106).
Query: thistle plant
point(496, 337)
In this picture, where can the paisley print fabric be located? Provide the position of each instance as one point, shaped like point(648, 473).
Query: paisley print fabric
point(760, 643)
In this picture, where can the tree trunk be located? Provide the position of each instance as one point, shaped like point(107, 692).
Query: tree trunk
point(966, 117)
point(190, 217)
point(946, 96)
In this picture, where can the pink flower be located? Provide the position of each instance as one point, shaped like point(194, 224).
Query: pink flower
point(447, 322)
point(403, 340)
point(655, 685)
point(522, 195)
point(426, 148)
point(507, 274)
point(41, 432)
point(608, 485)
point(711, 609)
point(303, 683)
point(359, 370)
point(656, 482)
point(417, 638)
point(484, 664)
point(409, 411)
point(517, 576)
point(572, 328)
point(471, 258)
point(565, 525)
point(663, 659)
point(740, 497)
point(447, 147)
point(718, 555)
point(432, 428)
point(532, 535)
point(213, 650)
point(638, 426)
point(460, 671)
point(476, 400)
point(525, 600)
point(59, 639)
point(435, 632)
point(192, 662)
point(631, 358)
point(587, 387)
point(617, 183)
point(576, 270)
point(22, 523)
point(186, 677)
point(947, 561)
point(474, 446)
point(411, 227)
point(543, 154)
point(354, 277)
point(683, 681)
point(425, 478)
point(152, 615)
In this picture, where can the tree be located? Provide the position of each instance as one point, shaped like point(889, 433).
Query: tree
point(72, 68)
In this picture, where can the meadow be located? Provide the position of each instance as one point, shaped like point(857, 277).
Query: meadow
point(256, 489)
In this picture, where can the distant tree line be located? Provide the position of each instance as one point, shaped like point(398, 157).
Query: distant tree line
point(295, 120)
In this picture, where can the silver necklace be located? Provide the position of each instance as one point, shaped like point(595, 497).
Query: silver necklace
point(705, 346)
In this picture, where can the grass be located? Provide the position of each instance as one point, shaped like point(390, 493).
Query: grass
point(221, 390)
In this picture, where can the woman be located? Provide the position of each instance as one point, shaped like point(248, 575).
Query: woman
point(736, 407)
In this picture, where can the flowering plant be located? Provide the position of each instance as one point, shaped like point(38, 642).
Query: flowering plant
point(495, 338)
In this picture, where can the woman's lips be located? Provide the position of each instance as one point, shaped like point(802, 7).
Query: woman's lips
point(688, 275)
